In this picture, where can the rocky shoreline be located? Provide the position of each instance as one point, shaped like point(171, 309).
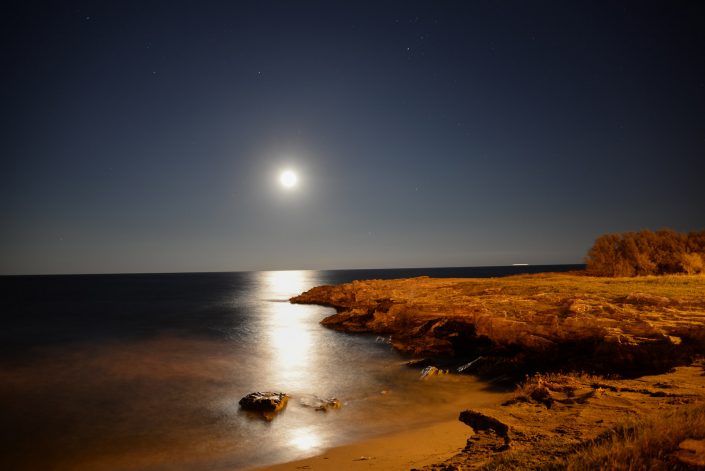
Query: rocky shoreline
point(593, 352)
point(524, 324)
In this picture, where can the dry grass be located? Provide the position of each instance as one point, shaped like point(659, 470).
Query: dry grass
point(681, 288)
point(646, 444)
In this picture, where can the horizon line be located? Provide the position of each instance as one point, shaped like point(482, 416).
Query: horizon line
point(518, 265)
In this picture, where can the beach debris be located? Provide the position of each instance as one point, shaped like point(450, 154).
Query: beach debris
point(363, 458)
point(320, 404)
point(468, 365)
point(432, 371)
point(271, 402)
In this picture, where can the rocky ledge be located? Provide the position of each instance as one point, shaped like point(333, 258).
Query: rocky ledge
point(522, 324)
point(559, 421)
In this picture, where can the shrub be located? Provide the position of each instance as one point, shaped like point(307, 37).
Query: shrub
point(692, 263)
point(647, 253)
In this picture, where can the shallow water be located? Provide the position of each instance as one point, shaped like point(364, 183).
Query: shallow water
point(144, 372)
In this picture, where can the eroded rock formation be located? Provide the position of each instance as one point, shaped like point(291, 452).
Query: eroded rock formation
point(520, 324)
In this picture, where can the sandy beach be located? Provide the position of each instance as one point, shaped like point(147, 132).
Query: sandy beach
point(527, 433)
point(407, 449)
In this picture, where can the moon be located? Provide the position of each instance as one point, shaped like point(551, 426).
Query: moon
point(288, 179)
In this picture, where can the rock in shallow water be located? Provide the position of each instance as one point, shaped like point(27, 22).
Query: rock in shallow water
point(264, 401)
point(319, 404)
point(432, 371)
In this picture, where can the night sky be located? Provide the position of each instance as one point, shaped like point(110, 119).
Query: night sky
point(149, 136)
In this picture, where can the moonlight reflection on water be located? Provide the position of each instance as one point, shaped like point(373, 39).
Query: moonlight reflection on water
point(137, 372)
point(288, 330)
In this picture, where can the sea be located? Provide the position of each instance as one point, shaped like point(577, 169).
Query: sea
point(145, 371)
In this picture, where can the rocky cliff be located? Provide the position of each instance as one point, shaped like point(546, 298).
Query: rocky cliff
point(516, 325)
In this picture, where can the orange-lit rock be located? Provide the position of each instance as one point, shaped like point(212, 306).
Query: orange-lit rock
point(553, 417)
point(529, 323)
point(269, 402)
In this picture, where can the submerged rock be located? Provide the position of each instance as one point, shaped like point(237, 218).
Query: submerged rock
point(432, 371)
point(320, 404)
point(270, 402)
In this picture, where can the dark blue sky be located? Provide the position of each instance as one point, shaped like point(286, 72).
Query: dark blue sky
point(148, 136)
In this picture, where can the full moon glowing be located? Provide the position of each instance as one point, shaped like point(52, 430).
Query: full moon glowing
point(288, 179)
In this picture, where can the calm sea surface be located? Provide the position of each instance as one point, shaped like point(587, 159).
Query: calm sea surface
point(144, 372)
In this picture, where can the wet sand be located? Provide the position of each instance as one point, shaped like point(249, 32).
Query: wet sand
point(407, 449)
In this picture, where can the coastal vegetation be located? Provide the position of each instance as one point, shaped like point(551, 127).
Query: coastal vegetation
point(665, 441)
point(647, 253)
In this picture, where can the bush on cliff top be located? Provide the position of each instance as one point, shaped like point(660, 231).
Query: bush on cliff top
point(647, 253)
